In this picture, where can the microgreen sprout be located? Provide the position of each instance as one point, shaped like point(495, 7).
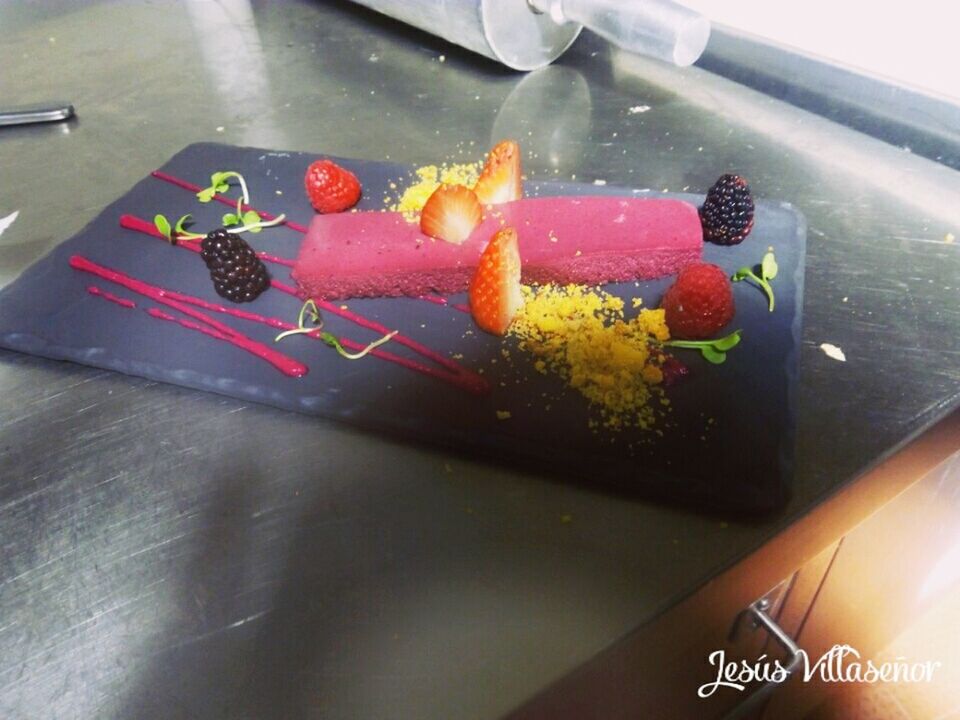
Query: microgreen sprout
point(177, 232)
point(714, 351)
point(250, 217)
point(249, 220)
point(761, 274)
point(256, 225)
point(315, 329)
point(219, 184)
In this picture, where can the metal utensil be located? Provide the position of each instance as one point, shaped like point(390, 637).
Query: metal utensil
point(42, 113)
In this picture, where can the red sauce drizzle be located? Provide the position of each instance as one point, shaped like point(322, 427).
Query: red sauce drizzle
point(122, 302)
point(456, 375)
point(190, 325)
point(288, 366)
point(438, 300)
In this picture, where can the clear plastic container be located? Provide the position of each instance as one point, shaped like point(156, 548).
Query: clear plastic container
point(528, 34)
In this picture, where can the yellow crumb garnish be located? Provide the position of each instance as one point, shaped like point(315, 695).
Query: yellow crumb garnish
point(581, 334)
point(654, 323)
point(503, 414)
point(427, 179)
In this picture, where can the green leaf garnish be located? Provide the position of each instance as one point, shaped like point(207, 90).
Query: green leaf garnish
point(310, 309)
point(206, 195)
point(761, 274)
point(768, 266)
point(219, 184)
point(179, 227)
point(713, 351)
point(249, 219)
point(252, 219)
point(239, 221)
point(163, 225)
point(178, 232)
point(714, 356)
point(259, 225)
point(332, 341)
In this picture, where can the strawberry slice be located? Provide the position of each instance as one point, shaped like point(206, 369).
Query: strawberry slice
point(451, 213)
point(500, 179)
point(495, 295)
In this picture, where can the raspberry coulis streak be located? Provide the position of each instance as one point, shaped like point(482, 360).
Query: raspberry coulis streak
point(455, 373)
point(122, 302)
point(189, 324)
point(280, 325)
point(178, 301)
point(157, 313)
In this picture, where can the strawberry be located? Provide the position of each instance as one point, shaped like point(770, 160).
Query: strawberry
point(495, 295)
point(451, 213)
point(500, 179)
point(330, 187)
point(699, 303)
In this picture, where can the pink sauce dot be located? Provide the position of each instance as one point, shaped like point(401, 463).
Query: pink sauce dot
point(673, 370)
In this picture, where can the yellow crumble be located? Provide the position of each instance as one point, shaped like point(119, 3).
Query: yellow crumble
point(427, 179)
point(581, 335)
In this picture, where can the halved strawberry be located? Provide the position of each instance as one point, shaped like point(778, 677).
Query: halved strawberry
point(495, 295)
point(500, 179)
point(451, 213)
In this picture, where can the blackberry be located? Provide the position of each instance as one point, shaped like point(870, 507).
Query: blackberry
point(237, 273)
point(727, 213)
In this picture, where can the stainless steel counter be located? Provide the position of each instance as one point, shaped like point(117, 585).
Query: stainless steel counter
point(172, 554)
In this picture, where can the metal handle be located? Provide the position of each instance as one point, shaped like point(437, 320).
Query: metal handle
point(52, 112)
point(757, 614)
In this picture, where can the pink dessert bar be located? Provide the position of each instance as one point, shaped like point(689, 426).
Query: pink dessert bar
point(590, 240)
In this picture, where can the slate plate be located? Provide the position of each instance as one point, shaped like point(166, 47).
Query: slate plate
point(728, 440)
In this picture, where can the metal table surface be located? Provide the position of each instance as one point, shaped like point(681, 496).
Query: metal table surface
point(168, 553)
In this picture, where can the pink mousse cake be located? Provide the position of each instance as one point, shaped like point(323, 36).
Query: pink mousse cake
point(590, 240)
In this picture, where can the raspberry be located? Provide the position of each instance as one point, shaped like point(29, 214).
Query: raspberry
point(699, 303)
point(331, 188)
point(237, 273)
point(727, 212)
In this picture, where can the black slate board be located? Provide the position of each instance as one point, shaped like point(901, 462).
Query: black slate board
point(728, 443)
